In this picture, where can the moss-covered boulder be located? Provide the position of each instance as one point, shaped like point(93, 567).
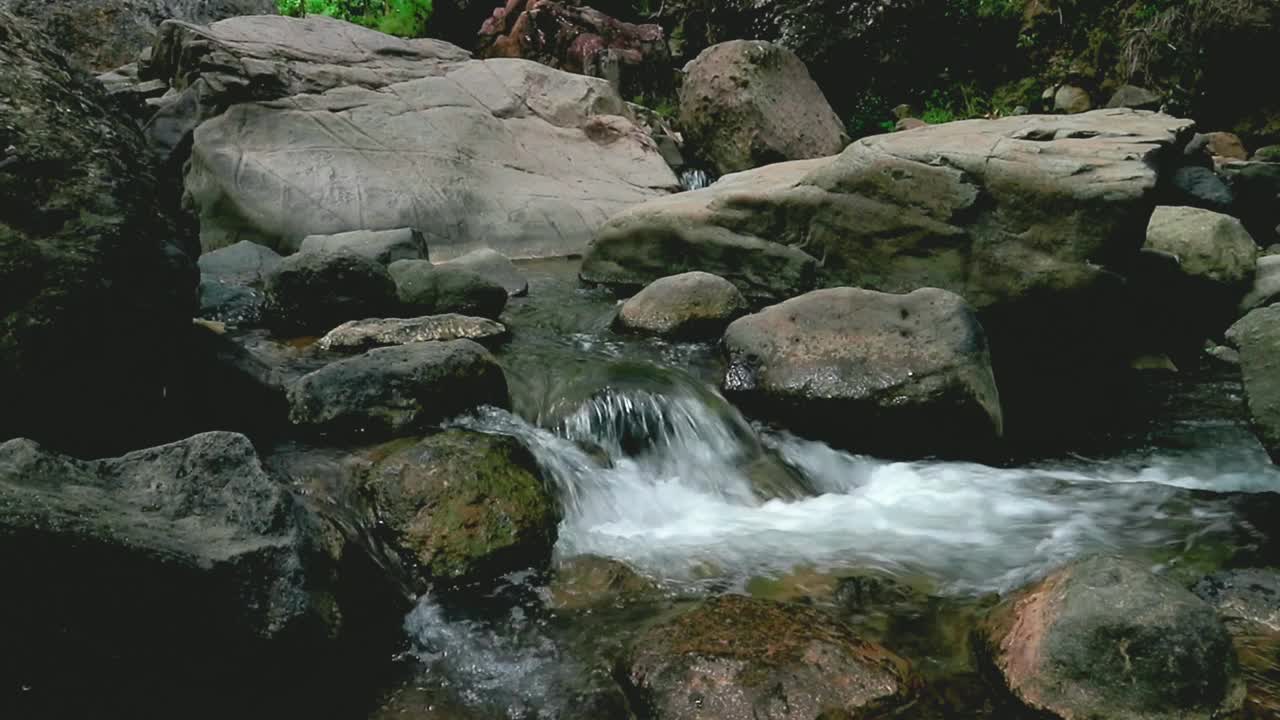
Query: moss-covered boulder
point(465, 505)
point(587, 581)
point(737, 658)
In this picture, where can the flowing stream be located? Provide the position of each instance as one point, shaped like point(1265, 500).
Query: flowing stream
point(654, 468)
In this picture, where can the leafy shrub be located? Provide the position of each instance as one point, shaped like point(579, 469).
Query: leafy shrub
point(406, 18)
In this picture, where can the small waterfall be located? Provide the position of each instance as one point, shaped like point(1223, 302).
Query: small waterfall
point(693, 179)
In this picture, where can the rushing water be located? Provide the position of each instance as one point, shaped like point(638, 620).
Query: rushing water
point(653, 467)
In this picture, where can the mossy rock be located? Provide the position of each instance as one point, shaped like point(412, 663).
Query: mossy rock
point(465, 506)
point(588, 581)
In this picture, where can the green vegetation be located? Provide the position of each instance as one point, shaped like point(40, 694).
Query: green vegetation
point(406, 18)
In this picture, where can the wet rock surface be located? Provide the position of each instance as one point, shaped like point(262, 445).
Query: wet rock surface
point(588, 581)
point(1104, 637)
point(310, 293)
point(906, 373)
point(690, 305)
point(385, 247)
point(465, 506)
point(1257, 336)
point(735, 658)
point(495, 267)
point(748, 103)
point(395, 390)
point(1248, 601)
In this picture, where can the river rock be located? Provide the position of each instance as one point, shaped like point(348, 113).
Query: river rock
point(190, 544)
point(104, 34)
point(96, 297)
point(398, 389)
point(1209, 246)
point(466, 506)
point(1257, 336)
point(589, 581)
point(747, 103)
point(632, 57)
point(314, 291)
point(1248, 601)
point(1132, 96)
point(362, 131)
point(737, 658)
point(1266, 284)
point(1071, 100)
point(229, 303)
point(495, 267)
point(386, 246)
point(1104, 638)
point(231, 281)
point(361, 335)
point(690, 305)
point(1256, 186)
point(1225, 145)
point(1269, 153)
point(437, 289)
point(243, 263)
point(903, 373)
point(1200, 187)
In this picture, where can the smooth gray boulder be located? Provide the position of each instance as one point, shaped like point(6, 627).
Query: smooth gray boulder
point(361, 335)
point(747, 103)
point(313, 292)
point(899, 374)
point(1104, 637)
point(1257, 336)
point(1132, 96)
point(385, 246)
point(690, 305)
point(359, 130)
point(1003, 212)
point(394, 390)
point(1266, 284)
point(243, 263)
point(1209, 246)
point(427, 289)
point(496, 267)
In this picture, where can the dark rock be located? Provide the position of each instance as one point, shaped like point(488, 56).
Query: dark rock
point(735, 658)
point(902, 373)
point(1248, 601)
point(465, 506)
point(313, 292)
point(746, 103)
point(495, 267)
point(1200, 187)
point(385, 246)
point(633, 58)
point(130, 94)
point(1257, 336)
point(398, 389)
point(1256, 186)
point(1104, 637)
point(1132, 96)
point(244, 263)
point(103, 34)
point(185, 545)
point(362, 335)
point(230, 303)
point(690, 305)
point(237, 383)
point(94, 300)
point(428, 289)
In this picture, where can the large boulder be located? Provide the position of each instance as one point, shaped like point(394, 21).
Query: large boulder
point(361, 131)
point(689, 305)
point(747, 103)
point(465, 506)
point(737, 658)
point(311, 292)
point(393, 390)
point(1257, 336)
point(104, 34)
point(1032, 219)
point(95, 294)
point(436, 289)
point(1106, 638)
point(631, 57)
point(191, 544)
point(1215, 259)
point(902, 373)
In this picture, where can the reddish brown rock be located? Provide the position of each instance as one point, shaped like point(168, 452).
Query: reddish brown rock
point(1226, 145)
point(582, 40)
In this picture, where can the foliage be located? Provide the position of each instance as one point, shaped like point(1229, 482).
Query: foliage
point(406, 18)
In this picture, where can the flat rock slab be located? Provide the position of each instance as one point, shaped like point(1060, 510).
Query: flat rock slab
point(361, 335)
point(383, 246)
point(998, 211)
point(504, 153)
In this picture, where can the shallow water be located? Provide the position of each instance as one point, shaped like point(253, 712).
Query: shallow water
point(654, 468)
